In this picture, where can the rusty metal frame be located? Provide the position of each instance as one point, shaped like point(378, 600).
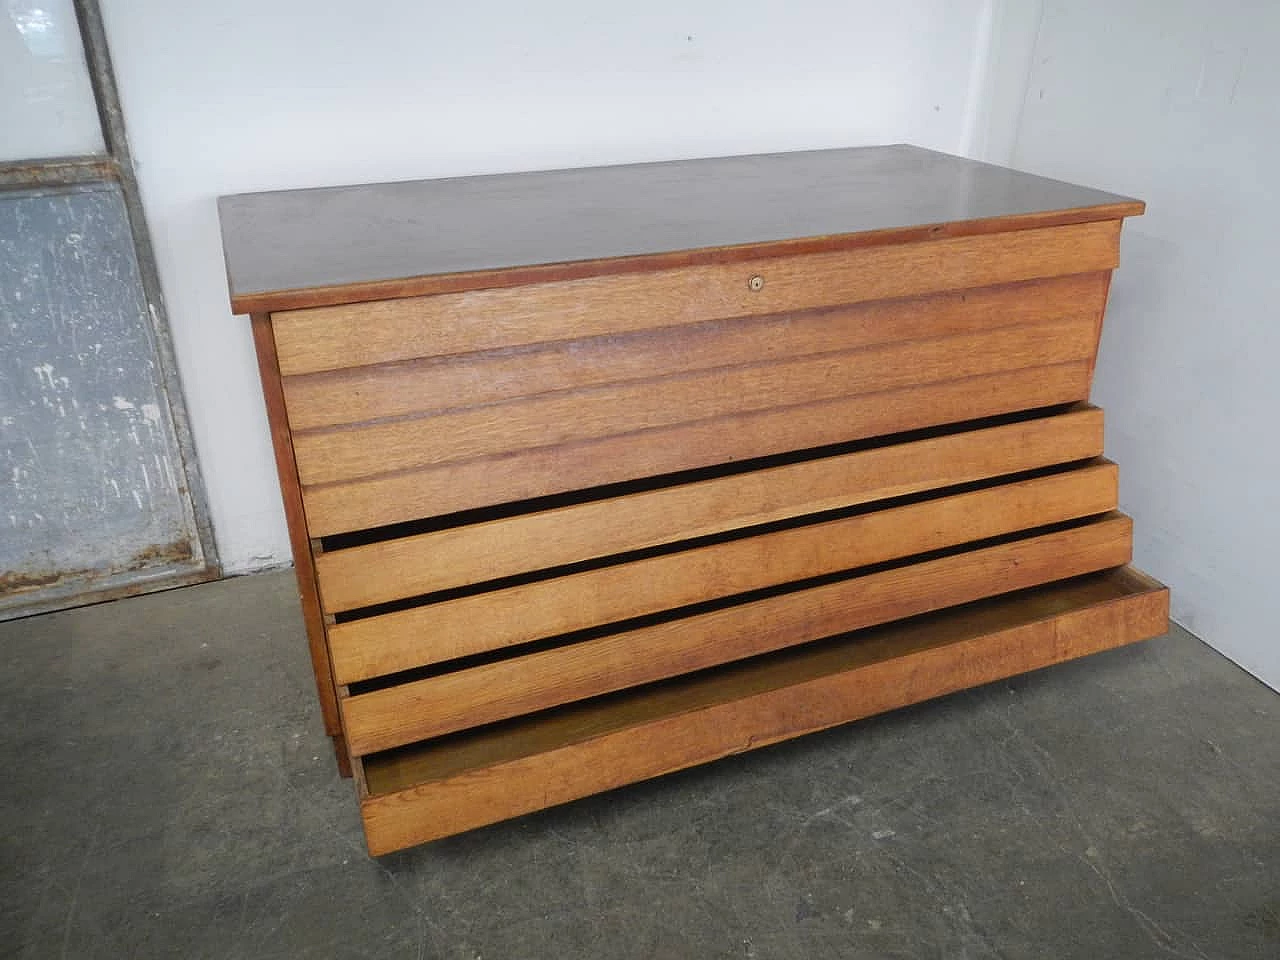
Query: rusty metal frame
point(57, 172)
point(116, 166)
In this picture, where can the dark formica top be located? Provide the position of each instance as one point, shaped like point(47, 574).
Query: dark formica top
point(298, 248)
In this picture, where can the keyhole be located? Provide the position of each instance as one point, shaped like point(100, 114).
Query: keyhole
point(756, 283)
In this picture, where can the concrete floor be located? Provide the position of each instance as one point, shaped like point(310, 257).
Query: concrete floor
point(170, 794)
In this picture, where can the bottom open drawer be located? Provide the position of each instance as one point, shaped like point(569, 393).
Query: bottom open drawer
point(444, 786)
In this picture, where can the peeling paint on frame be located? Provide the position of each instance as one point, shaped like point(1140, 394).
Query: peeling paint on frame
point(88, 489)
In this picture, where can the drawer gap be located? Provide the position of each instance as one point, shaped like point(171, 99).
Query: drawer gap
point(473, 750)
point(740, 533)
point(358, 538)
point(578, 636)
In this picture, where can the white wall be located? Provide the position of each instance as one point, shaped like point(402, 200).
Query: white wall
point(1179, 103)
point(243, 95)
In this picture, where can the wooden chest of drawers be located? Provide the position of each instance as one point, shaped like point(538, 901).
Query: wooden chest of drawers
point(594, 475)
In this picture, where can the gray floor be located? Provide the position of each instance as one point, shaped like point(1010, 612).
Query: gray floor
point(169, 794)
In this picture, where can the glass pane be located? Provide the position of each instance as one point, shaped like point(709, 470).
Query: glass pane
point(90, 480)
point(46, 102)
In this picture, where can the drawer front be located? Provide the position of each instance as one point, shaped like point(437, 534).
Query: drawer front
point(563, 603)
point(580, 416)
point(539, 471)
point(423, 563)
point(330, 338)
point(406, 439)
point(430, 385)
point(456, 783)
point(443, 630)
point(418, 710)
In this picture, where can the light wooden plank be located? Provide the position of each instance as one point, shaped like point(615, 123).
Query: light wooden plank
point(409, 566)
point(458, 784)
point(352, 453)
point(334, 337)
point(358, 505)
point(440, 759)
point(414, 387)
point(391, 642)
point(418, 710)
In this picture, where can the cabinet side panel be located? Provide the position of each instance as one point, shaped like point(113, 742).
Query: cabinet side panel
point(295, 516)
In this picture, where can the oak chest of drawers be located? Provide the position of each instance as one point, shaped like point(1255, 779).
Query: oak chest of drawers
point(593, 475)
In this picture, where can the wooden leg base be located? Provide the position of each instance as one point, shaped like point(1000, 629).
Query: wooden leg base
point(342, 755)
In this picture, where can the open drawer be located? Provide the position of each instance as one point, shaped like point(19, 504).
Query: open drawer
point(429, 790)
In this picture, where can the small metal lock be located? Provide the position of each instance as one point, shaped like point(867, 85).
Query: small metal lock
point(756, 283)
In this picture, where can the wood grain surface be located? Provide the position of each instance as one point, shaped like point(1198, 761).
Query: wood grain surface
point(352, 453)
point(335, 337)
point(450, 629)
point(484, 481)
point(456, 784)
point(418, 710)
point(299, 541)
point(408, 566)
point(435, 384)
point(813, 426)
